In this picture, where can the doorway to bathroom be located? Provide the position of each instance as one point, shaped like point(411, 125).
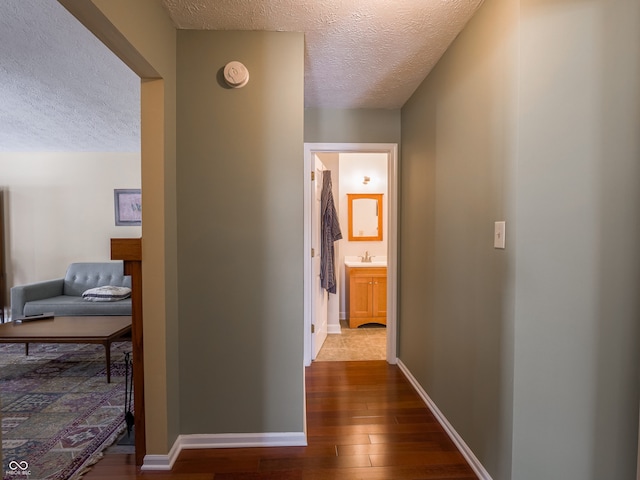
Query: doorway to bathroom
point(356, 169)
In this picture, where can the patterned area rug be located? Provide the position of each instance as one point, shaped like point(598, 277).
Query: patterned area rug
point(58, 411)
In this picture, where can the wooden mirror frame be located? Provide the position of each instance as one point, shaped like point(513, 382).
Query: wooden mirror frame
point(372, 196)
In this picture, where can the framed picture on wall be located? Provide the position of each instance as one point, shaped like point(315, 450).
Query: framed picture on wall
point(128, 206)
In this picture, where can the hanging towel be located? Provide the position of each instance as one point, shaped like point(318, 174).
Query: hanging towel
point(330, 232)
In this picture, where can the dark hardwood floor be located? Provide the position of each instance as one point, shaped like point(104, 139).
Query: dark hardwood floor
point(364, 421)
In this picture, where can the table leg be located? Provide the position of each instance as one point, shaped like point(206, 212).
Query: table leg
point(26, 349)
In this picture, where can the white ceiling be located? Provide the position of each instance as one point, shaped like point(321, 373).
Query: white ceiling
point(62, 90)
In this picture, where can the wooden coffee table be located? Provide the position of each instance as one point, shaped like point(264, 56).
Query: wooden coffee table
point(90, 329)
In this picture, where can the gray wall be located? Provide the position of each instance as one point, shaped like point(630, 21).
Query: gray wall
point(322, 125)
point(456, 311)
point(578, 215)
point(143, 36)
point(240, 221)
point(563, 317)
point(531, 117)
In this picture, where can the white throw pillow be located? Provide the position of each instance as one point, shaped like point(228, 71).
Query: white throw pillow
point(108, 293)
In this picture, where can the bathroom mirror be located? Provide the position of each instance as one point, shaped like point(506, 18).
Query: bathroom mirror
point(365, 217)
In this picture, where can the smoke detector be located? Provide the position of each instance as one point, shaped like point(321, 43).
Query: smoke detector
point(236, 74)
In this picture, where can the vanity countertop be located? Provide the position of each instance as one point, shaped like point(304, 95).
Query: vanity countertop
point(355, 261)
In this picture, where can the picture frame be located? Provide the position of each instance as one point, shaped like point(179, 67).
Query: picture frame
point(128, 206)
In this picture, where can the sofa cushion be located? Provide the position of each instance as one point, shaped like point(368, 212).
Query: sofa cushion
point(70, 305)
point(83, 276)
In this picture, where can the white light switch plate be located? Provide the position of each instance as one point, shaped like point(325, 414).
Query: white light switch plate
point(498, 235)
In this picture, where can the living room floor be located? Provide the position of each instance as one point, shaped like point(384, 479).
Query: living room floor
point(369, 342)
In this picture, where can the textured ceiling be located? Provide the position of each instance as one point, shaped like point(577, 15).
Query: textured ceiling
point(62, 90)
point(359, 53)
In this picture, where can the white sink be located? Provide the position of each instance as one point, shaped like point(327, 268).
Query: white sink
point(355, 261)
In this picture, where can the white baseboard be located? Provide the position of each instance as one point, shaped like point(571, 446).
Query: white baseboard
point(334, 329)
point(298, 439)
point(162, 462)
point(226, 440)
point(455, 437)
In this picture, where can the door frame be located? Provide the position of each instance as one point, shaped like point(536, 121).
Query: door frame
point(391, 149)
point(318, 295)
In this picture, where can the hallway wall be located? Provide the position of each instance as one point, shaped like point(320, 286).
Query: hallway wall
point(569, 303)
point(367, 125)
point(456, 308)
point(577, 334)
point(240, 232)
point(144, 37)
point(532, 116)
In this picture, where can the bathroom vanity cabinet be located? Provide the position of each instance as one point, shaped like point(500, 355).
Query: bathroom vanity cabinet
point(366, 290)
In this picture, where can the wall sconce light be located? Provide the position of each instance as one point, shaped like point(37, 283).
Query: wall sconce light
point(366, 180)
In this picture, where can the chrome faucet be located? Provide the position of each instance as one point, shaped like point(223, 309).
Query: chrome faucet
point(367, 258)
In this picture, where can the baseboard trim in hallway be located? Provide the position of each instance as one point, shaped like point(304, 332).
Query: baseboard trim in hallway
point(230, 440)
point(469, 456)
point(364, 419)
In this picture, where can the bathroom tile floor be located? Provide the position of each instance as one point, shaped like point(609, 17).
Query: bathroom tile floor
point(369, 342)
